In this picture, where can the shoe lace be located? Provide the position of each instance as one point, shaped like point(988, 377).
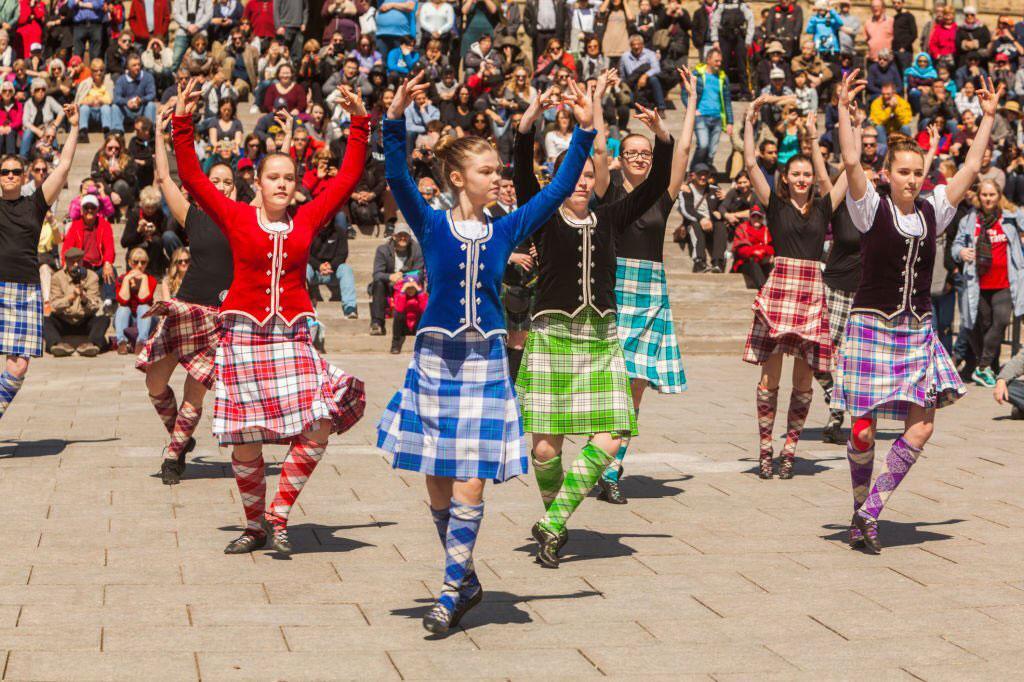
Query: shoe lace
point(440, 613)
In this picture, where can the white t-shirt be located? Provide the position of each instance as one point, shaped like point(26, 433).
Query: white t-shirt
point(912, 225)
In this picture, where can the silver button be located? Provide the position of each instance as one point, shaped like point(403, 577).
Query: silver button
point(579, 281)
point(481, 266)
point(579, 248)
point(478, 320)
point(286, 254)
point(462, 266)
point(269, 273)
point(593, 248)
point(462, 283)
point(268, 291)
point(483, 247)
point(463, 247)
point(270, 255)
point(479, 285)
point(462, 320)
point(478, 300)
point(280, 290)
point(267, 309)
point(580, 298)
point(462, 301)
point(580, 264)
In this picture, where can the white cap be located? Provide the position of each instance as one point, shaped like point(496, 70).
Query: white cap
point(90, 200)
point(776, 73)
point(820, 5)
point(970, 9)
point(34, 46)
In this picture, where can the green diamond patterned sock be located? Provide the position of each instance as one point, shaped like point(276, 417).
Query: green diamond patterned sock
point(579, 479)
point(549, 476)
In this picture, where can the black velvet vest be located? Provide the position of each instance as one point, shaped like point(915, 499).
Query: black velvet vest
point(896, 273)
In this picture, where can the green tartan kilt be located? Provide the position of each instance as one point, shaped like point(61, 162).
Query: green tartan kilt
point(573, 379)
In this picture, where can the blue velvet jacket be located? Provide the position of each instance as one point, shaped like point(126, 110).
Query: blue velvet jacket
point(464, 275)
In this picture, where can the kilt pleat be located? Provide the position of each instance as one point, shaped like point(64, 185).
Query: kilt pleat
point(838, 303)
point(21, 319)
point(188, 332)
point(887, 365)
point(573, 378)
point(456, 414)
point(791, 316)
point(645, 326)
point(272, 385)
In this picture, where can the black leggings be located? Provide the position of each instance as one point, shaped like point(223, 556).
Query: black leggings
point(995, 311)
point(758, 271)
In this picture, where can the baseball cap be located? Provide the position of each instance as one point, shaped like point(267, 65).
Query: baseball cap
point(90, 200)
point(244, 162)
point(402, 228)
point(702, 168)
point(970, 9)
point(776, 73)
point(34, 46)
point(775, 46)
point(756, 210)
point(74, 252)
point(38, 83)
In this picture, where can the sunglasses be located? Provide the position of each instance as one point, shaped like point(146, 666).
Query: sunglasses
point(140, 262)
point(184, 261)
point(113, 148)
point(16, 172)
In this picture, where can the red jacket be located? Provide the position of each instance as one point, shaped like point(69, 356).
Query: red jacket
point(260, 14)
point(133, 301)
point(161, 20)
point(270, 258)
point(76, 237)
point(751, 243)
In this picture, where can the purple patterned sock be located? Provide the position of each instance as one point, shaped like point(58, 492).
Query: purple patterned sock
point(898, 461)
point(861, 465)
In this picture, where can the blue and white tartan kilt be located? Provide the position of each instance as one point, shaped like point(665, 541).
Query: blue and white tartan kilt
point(887, 365)
point(456, 414)
point(21, 319)
point(645, 326)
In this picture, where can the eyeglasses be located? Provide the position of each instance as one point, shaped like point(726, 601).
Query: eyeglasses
point(632, 156)
point(16, 172)
point(140, 262)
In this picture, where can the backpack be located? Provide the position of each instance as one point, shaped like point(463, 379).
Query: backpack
point(733, 23)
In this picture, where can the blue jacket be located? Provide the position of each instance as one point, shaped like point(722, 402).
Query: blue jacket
point(724, 97)
point(1012, 224)
point(825, 30)
point(464, 275)
point(144, 87)
point(82, 14)
point(400, 62)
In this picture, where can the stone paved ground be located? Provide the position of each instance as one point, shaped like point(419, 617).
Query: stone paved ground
point(708, 572)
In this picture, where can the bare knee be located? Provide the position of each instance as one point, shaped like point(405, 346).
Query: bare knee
point(609, 442)
point(470, 491)
point(545, 449)
point(247, 453)
point(18, 366)
point(919, 434)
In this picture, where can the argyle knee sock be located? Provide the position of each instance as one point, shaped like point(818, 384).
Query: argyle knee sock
point(862, 462)
point(579, 480)
point(611, 472)
point(799, 406)
point(767, 404)
point(898, 461)
point(184, 427)
point(252, 488)
point(463, 528)
point(549, 476)
point(303, 456)
point(9, 387)
point(166, 406)
point(827, 383)
point(441, 518)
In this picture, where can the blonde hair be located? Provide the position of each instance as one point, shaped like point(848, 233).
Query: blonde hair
point(175, 276)
point(454, 154)
point(150, 197)
point(138, 253)
point(1004, 203)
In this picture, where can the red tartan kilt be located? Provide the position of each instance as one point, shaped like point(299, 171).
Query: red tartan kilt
point(272, 385)
point(186, 331)
point(791, 316)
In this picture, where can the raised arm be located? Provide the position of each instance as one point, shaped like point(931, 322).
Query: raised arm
point(173, 195)
point(835, 191)
point(758, 182)
point(957, 187)
point(523, 177)
point(849, 147)
point(54, 182)
point(934, 136)
point(339, 188)
point(682, 153)
point(396, 169)
point(602, 177)
point(209, 198)
point(629, 209)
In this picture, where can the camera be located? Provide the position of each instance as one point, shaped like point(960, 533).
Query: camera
point(77, 274)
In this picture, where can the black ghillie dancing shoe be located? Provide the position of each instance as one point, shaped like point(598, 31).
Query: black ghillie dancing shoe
point(765, 466)
point(786, 467)
point(247, 542)
point(868, 528)
point(547, 546)
point(611, 491)
point(438, 619)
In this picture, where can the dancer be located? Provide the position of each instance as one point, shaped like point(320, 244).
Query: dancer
point(21, 298)
point(893, 364)
point(271, 385)
point(456, 419)
point(790, 312)
point(573, 380)
point(187, 332)
point(644, 321)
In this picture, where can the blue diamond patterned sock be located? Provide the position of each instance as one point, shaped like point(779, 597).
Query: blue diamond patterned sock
point(441, 517)
point(463, 527)
point(9, 387)
point(612, 472)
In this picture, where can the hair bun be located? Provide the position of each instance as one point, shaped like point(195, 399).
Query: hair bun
point(443, 144)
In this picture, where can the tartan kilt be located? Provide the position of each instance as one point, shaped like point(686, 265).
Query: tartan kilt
point(21, 319)
point(791, 317)
point(838, 303)
point(886, 365)
point(573, 378)
point(271, 384)
point(456, 415)
point(645, 326)
point(187, 331)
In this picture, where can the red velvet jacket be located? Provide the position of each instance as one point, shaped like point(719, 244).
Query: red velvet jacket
point(161, 20)
point(270, 258)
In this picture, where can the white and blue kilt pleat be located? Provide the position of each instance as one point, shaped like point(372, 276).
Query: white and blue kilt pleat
point(456, 414)
point(21, 319)
point(645, 327)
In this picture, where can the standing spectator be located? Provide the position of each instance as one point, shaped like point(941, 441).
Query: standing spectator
point(10, 119)
point(192, 17)
point(135, 290)
point(437, 21)
point(904, 33)
point(732, 32)
point(86, 27)
point(327, 256)
point(823, 27)
point(30, 18)
point(544, 20)
point(582, 23)
point(714, 108)
point(785, 23)
point(617, 18)
point(394, 258)
point(639, 69)
point(972, 37)
point(480, 17)
point(290, 19)
point(40, 110)
point(701, 31)
point(851, 27)
point(260, 15)
point(92, 234)
point(134, 95)
point(395, 20)
point(76, 307)
point(942, 37)
point(878, 30)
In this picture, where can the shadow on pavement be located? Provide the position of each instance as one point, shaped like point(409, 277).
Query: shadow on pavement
point(801, 466)
point(588, 544)
point(46, 447)
point(497, 608)
point(648, 488)
point(314, 538)
point(814, 433)
point(203, 467)
point(896, 533)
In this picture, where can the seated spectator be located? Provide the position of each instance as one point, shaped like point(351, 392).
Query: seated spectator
point(553, 57)
point(285, 88)
point(10, 119)
point(326, 265)
point(871, 153)
point(59, 84)
point(752, 249)
point(823, 27)
point(48, 249)
point(95, 97)
point(417, 116)
point(890, 113)
point(238, 64)
point(114, 168)
point(967, 100)
point(808, 61)
point(366, 205)
point(227, 126)
point(180, 261)
point(942, 38)
point(140, 150)
point(778, 94)
point(806, 94)
point(557, 139)
point(156, 60)
point(90, 186)
point(394, 258)
point(435, 62)
point(972, 36)
point(40, 110)
point(776, 60)
point(639, 69)
point(75, 309)
point(409, 302)
point(883, 72)
point(197, 58)
point(479, 52)
point(135, 290)
point(702, 219)
point(402, 59)
point(116, 57)
point(134, 95)
point(192, 17)
point(147, 228)
point(367, 55)
point(918, 79)
point(790, 133)
point(1009, 387)
point(935, 102)
point(227, 16)
point(94, 236)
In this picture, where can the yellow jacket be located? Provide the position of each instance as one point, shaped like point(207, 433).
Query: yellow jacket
point(891, 118)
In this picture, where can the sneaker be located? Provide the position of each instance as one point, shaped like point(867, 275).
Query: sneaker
point(547, 546)
point(123, 348)
point(984, 377)
point(83, 136)
point(88, 350)
point(700, 266)
point(396, 344)
point(352, 315)
point(62, 350)
point(376, 329)
point(716, 269)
